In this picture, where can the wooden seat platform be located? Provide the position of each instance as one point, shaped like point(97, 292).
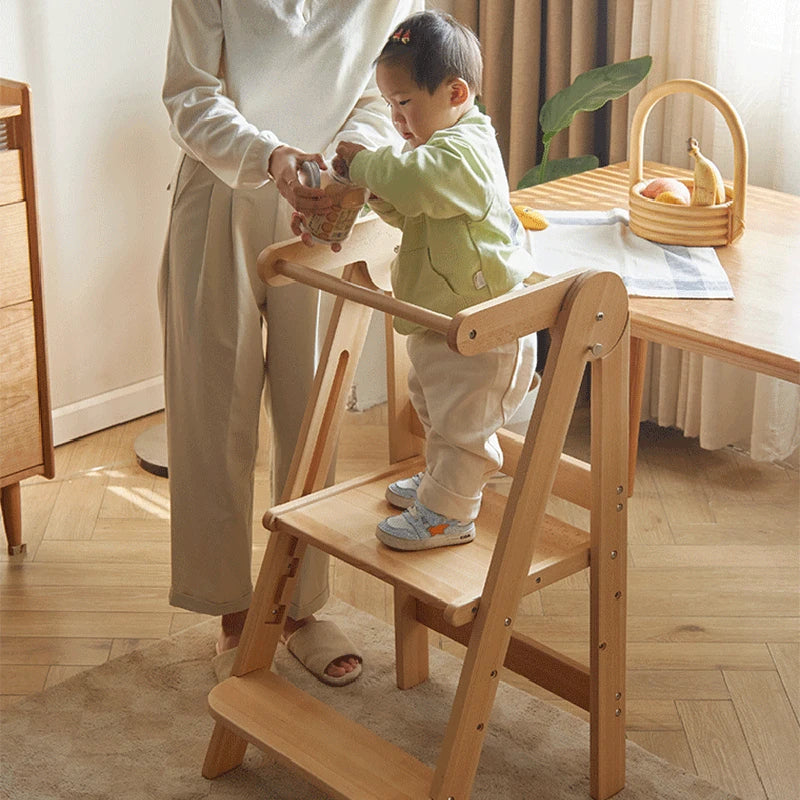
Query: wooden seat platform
point(450, 578)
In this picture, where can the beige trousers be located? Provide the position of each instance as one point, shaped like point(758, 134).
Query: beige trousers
point(213, 306)
point(462, 401)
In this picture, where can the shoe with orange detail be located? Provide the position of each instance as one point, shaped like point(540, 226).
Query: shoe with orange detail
point(419, 528)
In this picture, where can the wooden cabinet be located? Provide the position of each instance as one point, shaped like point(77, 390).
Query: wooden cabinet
point(26, 435)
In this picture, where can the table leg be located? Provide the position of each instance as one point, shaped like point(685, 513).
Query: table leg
point(12, 517)
point(638, 362)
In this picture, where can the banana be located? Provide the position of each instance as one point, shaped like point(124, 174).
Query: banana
point(531, 220)
point(708, 186)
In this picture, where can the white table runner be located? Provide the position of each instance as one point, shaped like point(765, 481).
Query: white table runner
point(603, 240)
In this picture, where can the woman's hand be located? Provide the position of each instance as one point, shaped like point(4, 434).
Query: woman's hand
point(284, 165)
point(305, 236)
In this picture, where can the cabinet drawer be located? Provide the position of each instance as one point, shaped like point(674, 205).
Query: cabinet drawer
point(21, 440)
point(11, 190)
point(15, 268)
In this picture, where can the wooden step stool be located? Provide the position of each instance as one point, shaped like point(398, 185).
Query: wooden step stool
point(470, 593)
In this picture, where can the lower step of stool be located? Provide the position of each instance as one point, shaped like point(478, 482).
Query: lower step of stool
point(331, 751)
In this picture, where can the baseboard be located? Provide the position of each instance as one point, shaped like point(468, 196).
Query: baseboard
point(104, 410)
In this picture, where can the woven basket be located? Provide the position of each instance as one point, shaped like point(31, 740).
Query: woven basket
point(698, 226)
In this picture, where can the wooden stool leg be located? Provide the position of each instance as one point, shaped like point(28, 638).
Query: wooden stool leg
point(12, 518)
point(638, 362)
point(276, 581)
point(608, 577)
point(225, 752)
point(411, 641)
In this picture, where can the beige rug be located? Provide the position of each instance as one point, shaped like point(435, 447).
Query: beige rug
point(136, 728)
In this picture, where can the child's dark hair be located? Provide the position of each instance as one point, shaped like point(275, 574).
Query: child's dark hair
point(436, 47)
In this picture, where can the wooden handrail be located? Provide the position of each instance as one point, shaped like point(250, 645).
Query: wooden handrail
point(510, 316)
point(369, 297)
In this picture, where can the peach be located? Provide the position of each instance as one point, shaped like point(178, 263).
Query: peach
point(660, 185)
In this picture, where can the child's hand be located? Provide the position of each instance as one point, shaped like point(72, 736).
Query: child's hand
point(341, 167)
point(347, 152)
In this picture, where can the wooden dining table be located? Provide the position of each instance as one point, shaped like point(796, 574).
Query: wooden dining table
point(759, 329)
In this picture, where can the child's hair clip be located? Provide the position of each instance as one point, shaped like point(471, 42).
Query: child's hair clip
point(401, 36)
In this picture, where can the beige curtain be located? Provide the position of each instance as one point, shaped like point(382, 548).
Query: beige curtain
point(534, 48)
point(750, 52)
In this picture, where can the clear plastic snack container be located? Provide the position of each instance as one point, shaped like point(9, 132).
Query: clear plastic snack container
point(347, 200)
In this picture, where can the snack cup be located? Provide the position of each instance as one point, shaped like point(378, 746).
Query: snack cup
point(347, 200)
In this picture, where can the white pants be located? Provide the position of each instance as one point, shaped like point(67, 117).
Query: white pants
point(213, 306)
point(461, 402)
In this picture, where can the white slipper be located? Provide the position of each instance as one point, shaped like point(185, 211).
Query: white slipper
point(317, 644)
point(223, 663)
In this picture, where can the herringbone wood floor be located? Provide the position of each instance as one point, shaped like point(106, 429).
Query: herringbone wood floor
point(714, 604)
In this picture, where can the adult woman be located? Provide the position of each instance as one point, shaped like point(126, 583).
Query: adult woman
point(252, 88)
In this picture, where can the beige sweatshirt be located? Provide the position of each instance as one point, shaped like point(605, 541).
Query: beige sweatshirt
point(243, 77)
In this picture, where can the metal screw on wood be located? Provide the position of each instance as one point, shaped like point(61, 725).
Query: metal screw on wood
point(507, 621)
point(613, 554)
point(473, 334)
point(596, 349)
point(599, 316)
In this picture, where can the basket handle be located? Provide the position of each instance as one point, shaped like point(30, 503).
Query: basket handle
point(709, 93)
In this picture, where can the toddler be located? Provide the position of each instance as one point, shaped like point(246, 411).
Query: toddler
point(448, 193)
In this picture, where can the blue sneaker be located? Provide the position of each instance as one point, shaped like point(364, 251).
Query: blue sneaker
point(419, 528)
point(403, 493)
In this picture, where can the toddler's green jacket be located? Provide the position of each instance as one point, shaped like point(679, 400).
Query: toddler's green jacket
point(449, 196)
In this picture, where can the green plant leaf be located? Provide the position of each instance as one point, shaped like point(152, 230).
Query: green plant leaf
point(590, 91)
point(558, 168)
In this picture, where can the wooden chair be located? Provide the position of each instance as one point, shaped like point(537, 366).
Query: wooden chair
point(470, 593)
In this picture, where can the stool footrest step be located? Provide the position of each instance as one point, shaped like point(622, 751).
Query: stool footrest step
point(333, 752)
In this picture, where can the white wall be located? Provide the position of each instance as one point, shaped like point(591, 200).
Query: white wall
point(103, 162)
